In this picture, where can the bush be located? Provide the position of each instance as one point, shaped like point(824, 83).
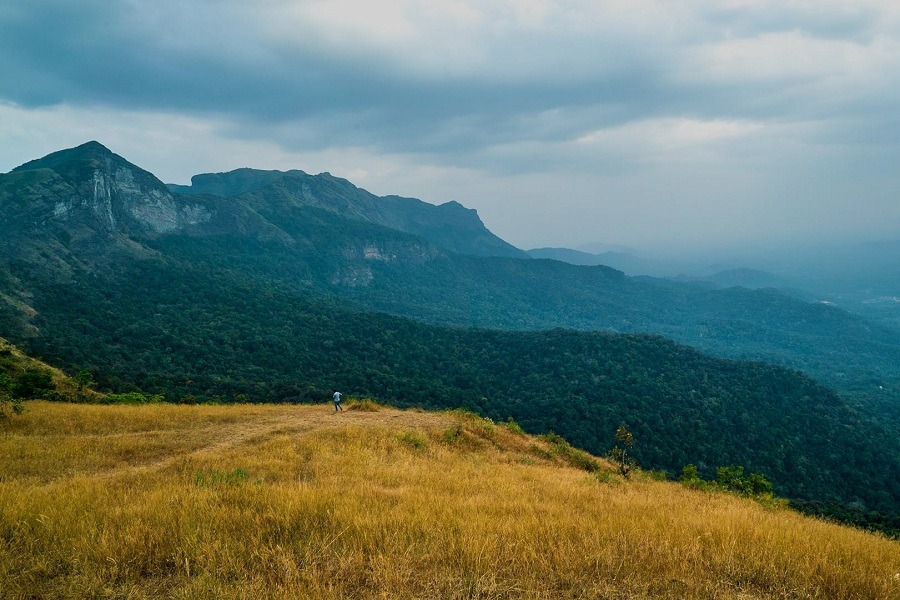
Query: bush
point(572, 456)
point(732, 478)
point(657, 475)
point(413, 439)
point(10, 407)
point(691, 477)
point(514, 427)
point(452, 434)
point(133, 398)
point(32, 384)
point(6, 382)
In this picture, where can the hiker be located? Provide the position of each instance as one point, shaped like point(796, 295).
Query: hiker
point(337, 402)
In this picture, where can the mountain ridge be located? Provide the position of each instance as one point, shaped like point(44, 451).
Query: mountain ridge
point(450, 226)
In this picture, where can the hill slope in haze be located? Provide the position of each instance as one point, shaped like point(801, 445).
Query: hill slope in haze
point(295, 501)
point(102, 266)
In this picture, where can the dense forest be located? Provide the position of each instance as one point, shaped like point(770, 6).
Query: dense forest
point(196, 334)
point(390, 271)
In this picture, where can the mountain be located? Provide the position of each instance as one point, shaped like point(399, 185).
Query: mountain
point(748, 278)
point(623, 260)
point(573, 257)
point(91, 188)
point(449, 226)
point(267, 296)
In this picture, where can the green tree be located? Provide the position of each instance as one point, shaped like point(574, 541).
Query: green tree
point(620, 452)
point(32, 384)
point(85, 379)
point(9, 406)
point(690, 476)
point(732, 478)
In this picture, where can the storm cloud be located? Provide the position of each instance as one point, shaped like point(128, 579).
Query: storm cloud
point(640, 122)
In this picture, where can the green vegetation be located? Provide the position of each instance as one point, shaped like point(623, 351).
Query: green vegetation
point(133, 398)
point(575, 457)
point(856, 515)
point(213, 477)
point(10, 405)
point(731, 479)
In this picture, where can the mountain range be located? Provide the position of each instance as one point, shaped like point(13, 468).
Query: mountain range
point(276, 286)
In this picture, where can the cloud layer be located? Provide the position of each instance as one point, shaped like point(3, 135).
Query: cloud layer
point(639, 122)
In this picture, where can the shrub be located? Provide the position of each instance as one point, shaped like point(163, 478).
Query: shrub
point(452, 434)
point(57, 396)
point(573, 456)
point(213, 478)
point(33, 383)
point(604, 476)
point(413, 439)
point(133, 398)
point(732, 479)
point(10, 406)
point(514, 427)
point(690, 476)
point(657, 475)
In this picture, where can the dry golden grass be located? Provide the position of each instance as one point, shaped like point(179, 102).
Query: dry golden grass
point(298, 502)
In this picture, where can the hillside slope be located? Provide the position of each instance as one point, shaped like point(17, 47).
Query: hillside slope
point(24, 377)
point(296, 501)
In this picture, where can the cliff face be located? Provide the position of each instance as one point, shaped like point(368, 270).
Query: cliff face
point(90, 186)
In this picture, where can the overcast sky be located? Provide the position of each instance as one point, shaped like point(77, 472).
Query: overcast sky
point(643, 123)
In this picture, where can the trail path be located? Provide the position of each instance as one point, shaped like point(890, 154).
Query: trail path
point(264, 422)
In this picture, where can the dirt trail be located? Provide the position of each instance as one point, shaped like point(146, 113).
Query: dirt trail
point(262, 424)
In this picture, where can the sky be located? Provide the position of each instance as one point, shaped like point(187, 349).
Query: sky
point(649, 124)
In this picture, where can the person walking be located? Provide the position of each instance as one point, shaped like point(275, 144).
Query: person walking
point(337, 402)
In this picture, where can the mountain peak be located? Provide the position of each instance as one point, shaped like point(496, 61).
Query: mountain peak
point(93, 146)
point(90, 152)
point(93, 186)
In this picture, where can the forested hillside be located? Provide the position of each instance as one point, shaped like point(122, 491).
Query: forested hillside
point(199, 334)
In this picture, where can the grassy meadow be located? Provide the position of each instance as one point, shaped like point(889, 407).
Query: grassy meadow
point(298, 502)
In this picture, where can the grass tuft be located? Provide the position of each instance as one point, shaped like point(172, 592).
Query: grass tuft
point(363, 405)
